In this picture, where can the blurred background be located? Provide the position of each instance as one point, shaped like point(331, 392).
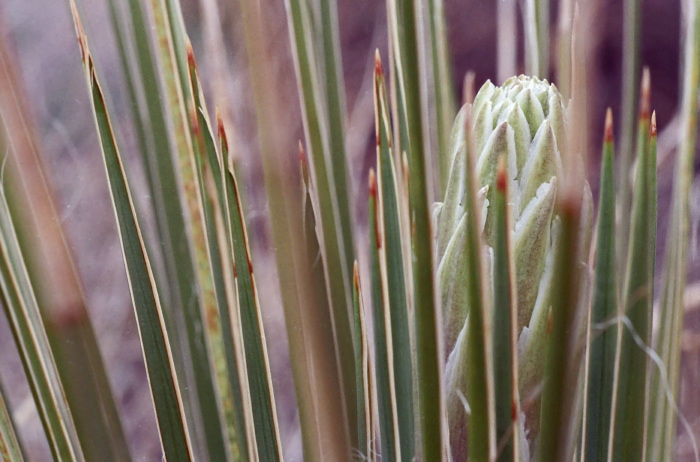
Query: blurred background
point(39, 35)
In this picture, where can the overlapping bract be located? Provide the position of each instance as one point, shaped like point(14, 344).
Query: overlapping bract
point(523, 121)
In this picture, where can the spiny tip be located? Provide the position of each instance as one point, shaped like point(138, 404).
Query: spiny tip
point(190, 55)
point(608, 126)
point(356, 274)
point(378, 63)
point(221, 129)
point(250, 264)
point(645, 103)
point(372, 183)
point(652, 126)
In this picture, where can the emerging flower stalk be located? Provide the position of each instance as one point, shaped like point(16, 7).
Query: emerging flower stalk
point(523, 122)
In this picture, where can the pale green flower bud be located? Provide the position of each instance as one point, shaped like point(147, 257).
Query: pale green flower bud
point(523, 120)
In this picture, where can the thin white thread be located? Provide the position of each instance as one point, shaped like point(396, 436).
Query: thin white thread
point(662, 373)
point(358, 455)
point(464, 401)
point(72, 150)
point(5, 156)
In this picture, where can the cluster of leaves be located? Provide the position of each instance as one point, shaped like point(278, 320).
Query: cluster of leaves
point(548, 354)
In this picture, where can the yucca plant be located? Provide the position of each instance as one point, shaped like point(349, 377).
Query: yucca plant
point(502, 321)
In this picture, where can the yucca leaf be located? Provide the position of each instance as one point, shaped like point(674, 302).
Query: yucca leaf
point(179, 218)
point(365, 408)
point(53, 273)
point(444, 109)
point(221, 340)
point(536, 24)
point(10, 449)
point(506, 40)
point(505, 324)
point(229, 313)
point(146, 302)
point(318, 381)
point(556, 435)
point(336, 112)
point(386, 392)
point(171, 40)
point(404, 18)
point(20, 306)
point(301, 275)
point(479, 334)
point(391, 265)
point(631, 52)
point(533, 338)
point(149, 314)
point(638, 295)
point(321, 107)
point(662, 414)
point(256, 359)
point(602, 339)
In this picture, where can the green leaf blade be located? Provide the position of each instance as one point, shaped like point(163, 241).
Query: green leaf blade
point(257, 362)
point(603, 334)
point(392, 264)
point(638, 296)
point(162, 378)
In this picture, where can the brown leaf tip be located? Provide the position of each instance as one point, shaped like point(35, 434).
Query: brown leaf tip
point(378, 63)
point(608, 126)
point(190, 56)
point(652, 126)
point(221, 129)
point(356, 275)
point(372, 184)
point(82, 40)
point(645, 103)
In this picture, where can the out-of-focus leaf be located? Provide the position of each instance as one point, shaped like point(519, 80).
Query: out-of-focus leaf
point(10, 450)
point(53, 273)
point(661, 429)
point(557, 414)
point(19, 302)
point(319, 83)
